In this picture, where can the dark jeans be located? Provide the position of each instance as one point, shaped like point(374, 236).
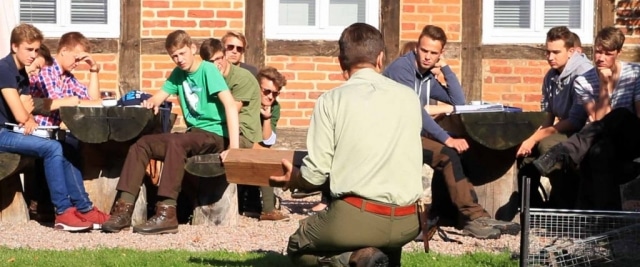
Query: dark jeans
point(605, 150)
point(461, 192)
point(173, 149)
point(564, 182)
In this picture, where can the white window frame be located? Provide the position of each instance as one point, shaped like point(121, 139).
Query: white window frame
point(538, 33)
point(63, 17)
point(320, 32)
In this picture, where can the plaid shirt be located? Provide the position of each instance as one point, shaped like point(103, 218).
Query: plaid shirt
point(625, 93)
point(53, 83)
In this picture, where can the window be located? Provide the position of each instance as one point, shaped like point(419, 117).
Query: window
point(316, 19)
point(93, 18)
point(527, 21)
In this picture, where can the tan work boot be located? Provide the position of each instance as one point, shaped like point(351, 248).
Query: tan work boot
point(368, 257)
point(274, 215)
point(479, 229)
point(120, 217)
point(164, 222)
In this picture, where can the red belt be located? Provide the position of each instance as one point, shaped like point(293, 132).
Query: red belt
point(386, 210)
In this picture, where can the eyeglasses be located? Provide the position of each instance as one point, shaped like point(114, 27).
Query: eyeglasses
point(238, 48)
point(214, 60)
point(270, 92)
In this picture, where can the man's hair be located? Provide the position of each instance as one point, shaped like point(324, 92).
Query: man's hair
point(25, 33)
point(408, 46)
point(562, 33)
point(360, 43)
point(610, 39)
point(576, 40)
point(209, 47)
point(272, 74)
point(72, 39)
point(435, 33)
point(235, 34)
point(45, 53)
point(176, 40)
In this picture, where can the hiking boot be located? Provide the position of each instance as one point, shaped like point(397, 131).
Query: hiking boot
point(94, 216)
point(554, 159)
point(509, 228)
point(297, 194)
point(368, 257)
point(164, 222)
point(476, 228)
point(274, 215)
point(68, 221)
point(120, 217)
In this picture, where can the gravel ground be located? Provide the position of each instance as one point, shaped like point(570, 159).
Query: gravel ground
point(249, 235)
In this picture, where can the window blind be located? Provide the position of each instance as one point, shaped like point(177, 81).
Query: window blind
point(297, 12)
point(89, 11)
point(347, 12)
point(562, 13)
point(38, 11)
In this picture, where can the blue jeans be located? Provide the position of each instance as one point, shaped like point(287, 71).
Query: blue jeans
point(64, 179)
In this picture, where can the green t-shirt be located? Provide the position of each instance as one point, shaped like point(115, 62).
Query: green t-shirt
point(275, 115)
point(198, 95)
point(244, 88)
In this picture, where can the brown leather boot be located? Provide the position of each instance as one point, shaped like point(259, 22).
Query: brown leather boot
point(368, 257)
point(120, 217)
point(165, 221)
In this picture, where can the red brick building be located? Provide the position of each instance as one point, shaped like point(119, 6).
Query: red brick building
point(494, 46)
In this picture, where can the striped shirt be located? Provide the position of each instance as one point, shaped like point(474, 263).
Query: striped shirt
point(54, 83)
point(626, 92)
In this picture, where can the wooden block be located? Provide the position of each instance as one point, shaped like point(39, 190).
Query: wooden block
point(255, 166)
point(12, 163)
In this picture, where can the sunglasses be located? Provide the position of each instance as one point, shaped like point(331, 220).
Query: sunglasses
point(270, 92)
point(214, 60)
point(231, 47)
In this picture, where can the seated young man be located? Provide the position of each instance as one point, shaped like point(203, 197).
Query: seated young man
point(235, 43)
point(606, 147)
point(74, 210)
point(414, 70)
point(202, 93)
point(246, 91)
point(559, 101)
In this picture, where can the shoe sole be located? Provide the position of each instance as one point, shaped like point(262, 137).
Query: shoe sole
point(508, 229)
point(109, 230)
point(64, 227)
point(539, 168)
point(305, 195)
point(492, 236)
point(378, 260)
point(168, 231)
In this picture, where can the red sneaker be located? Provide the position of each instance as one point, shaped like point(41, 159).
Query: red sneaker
point(94, 216)
point(68, 221)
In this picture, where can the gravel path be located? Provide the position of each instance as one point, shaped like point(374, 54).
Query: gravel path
point(249, 235)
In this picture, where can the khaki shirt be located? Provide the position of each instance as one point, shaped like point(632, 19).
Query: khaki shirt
point(365, 136)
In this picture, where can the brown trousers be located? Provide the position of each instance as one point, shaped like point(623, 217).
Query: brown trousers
point(173, 149)
point(446, 160)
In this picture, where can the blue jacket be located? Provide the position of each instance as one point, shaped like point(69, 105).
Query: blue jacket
point(405, 71)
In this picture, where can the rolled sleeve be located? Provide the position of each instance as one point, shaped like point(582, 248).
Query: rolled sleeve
point(316, 166)
point(586, 87)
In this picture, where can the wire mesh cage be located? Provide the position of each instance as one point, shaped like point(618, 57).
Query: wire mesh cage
point(582, 238)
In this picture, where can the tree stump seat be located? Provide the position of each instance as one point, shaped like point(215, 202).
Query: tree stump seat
point(13, 207)
point(102, 124)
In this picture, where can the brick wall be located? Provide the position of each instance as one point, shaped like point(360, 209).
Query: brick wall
point(627, 19)
point(108, 74)
point(514, 82)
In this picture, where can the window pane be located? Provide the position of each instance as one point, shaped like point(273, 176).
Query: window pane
point(89, 11)
point(512, 14)
point(297, 13)
point(346, 12)
point(37, 11)
point(562, 13)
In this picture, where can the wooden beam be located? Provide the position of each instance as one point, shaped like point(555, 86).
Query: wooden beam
point(471, 47)
point(98, 45)
point(254, 24)
point(129, 61)
point(604, 14)
point(302, 48)
point(390, 28)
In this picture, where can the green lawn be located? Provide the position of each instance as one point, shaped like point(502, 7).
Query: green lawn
point(127, 257)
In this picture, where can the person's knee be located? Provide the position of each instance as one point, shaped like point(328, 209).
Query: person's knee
point(51, 148)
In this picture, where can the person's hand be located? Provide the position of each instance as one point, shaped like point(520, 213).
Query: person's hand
point(265, 112)
point(149, 105)
point(86, 57)
point(283, 180)
point(459, 144)
point(441, 63)
point(525, 148)
point(605, 75)
point(223, 155)
point(29, 126)
point(27, 102)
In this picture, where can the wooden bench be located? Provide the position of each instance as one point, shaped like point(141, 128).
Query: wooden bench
point(13, 207)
